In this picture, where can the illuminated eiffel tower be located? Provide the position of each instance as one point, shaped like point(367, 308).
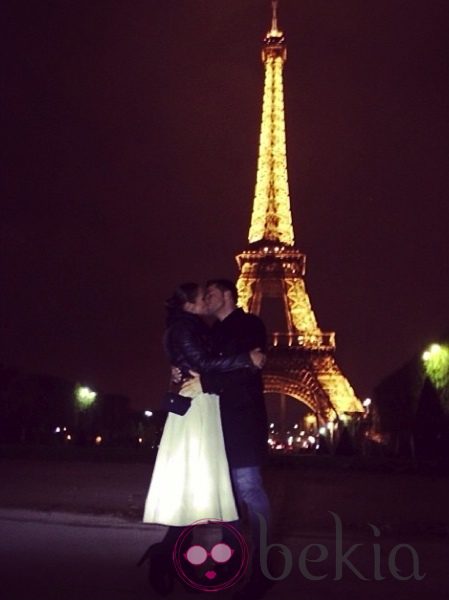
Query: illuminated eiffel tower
point(301, 361)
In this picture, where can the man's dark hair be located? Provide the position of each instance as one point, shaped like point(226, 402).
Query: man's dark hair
point(225, 285)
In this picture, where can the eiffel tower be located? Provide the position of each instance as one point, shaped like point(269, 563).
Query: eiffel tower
point(301, 362)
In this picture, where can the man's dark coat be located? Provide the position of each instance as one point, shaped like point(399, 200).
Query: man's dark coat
point(242, 404)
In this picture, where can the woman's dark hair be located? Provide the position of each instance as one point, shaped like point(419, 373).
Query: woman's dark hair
point(186, 292)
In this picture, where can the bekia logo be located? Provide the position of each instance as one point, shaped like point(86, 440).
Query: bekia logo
point(342, 557)
point(210, 555)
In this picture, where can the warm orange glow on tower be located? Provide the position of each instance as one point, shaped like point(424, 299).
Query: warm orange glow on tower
point(301, 358)
point(271, 218)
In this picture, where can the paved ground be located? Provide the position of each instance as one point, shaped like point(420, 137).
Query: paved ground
point(80, 557)
point(392, 497)
point(72, 531)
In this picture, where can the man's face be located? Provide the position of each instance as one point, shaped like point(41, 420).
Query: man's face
point(215, 299)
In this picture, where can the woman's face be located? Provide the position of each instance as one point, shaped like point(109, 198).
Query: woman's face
point(198, 307)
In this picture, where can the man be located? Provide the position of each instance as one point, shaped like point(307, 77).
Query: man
point(242, 408)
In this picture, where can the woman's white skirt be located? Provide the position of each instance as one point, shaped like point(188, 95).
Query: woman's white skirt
point(191, 479)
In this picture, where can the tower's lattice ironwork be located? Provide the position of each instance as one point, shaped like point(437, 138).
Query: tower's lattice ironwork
point(301, 360)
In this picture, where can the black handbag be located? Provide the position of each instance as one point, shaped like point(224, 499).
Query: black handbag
point(175, 403)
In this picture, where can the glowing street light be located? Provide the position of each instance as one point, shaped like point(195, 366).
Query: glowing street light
point(436, 364)
point(148, 413)
point(432, 352)
point(367, 402)
point(84, 396)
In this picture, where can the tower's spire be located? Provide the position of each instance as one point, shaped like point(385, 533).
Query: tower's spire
point(274, 19)
point(271, 218)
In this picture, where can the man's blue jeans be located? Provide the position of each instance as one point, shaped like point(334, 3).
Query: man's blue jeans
point(249, 490)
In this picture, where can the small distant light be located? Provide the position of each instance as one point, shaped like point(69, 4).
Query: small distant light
point(57, 430)
point(322, 430)
point(311, 439)
point(290, 440)
point(295, 426)
point(68, 437)
point(148, 413)
point(271, 425)
point(298, 439)
point(302, 433)
point(426, 355)
point(330, 425)
point(279, 447)
point(434, 348)
point(367, 402)
point(64, 429)
point(98, 439)
point(140, 440)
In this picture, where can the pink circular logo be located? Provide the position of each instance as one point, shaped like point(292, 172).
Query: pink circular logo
point(214, 568)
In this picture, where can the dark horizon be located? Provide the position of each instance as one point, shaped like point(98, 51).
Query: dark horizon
point(130, 147)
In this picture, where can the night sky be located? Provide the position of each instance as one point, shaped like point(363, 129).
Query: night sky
point(129, 146)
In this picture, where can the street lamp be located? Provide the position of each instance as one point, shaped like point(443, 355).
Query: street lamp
point(84, 396)
point(432, 352)
point(436, 364)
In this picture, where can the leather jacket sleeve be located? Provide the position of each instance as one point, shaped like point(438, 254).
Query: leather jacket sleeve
point(187, 350)
point(244, 332)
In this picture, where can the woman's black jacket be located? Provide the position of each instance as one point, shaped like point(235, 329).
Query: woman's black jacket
point(187, 345)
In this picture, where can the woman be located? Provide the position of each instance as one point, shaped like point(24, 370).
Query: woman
point(191, 479)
